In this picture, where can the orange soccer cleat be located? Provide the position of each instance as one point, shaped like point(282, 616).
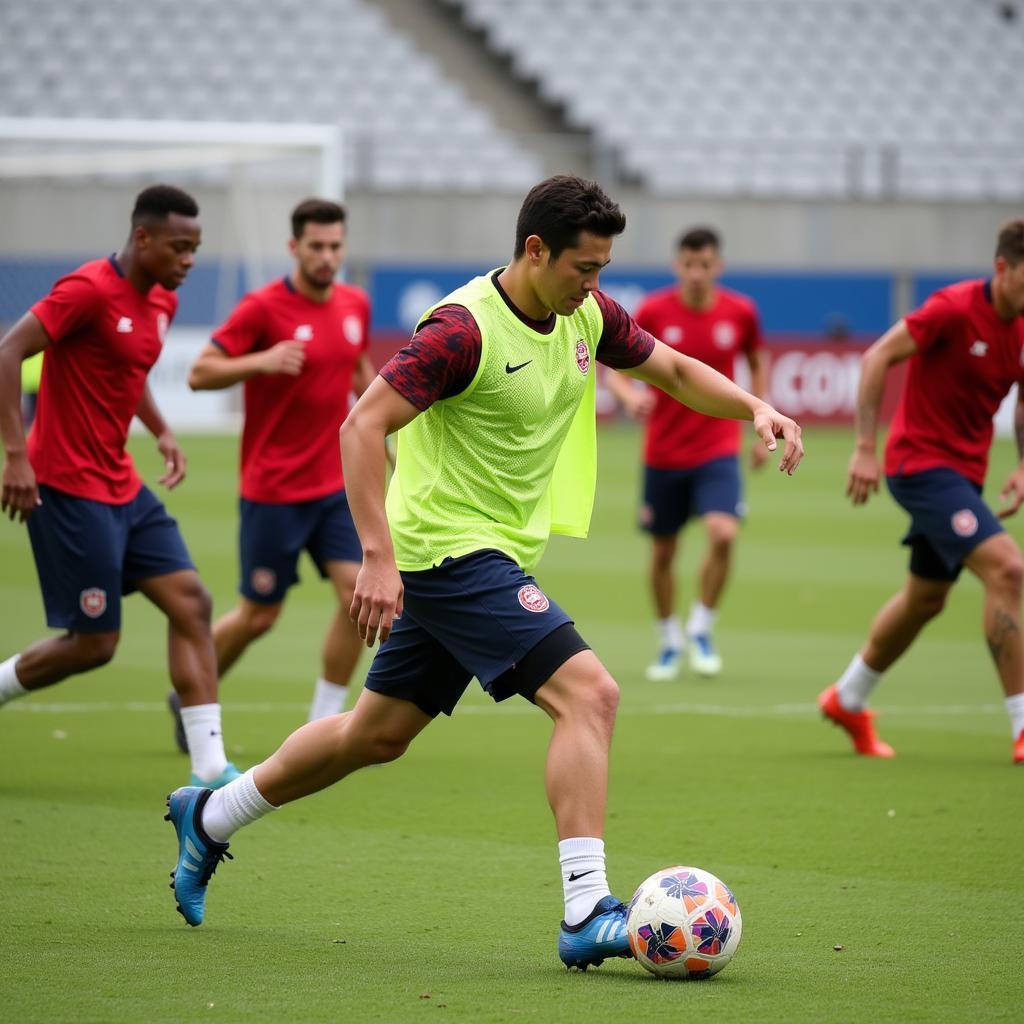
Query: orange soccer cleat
point(859, 726)
point(1018, 749)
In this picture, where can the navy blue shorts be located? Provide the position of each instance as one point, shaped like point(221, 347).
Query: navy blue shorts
point(672, 496)
point(272, 537)
point(948, 520)
point(478, 615)
point(88, 554)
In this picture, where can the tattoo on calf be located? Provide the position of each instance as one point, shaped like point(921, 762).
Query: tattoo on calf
point(1000, 634)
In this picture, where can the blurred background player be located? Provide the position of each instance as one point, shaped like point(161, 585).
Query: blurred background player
point(299, 344)
point(494, 398)
point(966, 350)
point(96, 531)
point(691, 461)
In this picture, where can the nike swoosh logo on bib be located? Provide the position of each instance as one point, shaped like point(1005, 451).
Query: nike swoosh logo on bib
point(509, 368)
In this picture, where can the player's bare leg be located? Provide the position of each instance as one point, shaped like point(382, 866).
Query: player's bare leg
point(663, 590)
point(236, 629)
point(192, 665)
point(894, 629)
point(581, 699)
point(342, 646)
point(55, 658)
point(721, 530)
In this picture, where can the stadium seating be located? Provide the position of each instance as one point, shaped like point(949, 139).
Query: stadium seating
point(783, 97)
point(408, 125)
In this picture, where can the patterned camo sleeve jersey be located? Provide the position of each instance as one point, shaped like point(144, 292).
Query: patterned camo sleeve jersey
point(442, 357)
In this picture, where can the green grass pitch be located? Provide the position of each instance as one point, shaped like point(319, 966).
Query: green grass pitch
point(429, 889)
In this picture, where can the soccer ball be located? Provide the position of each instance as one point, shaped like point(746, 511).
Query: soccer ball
point(683, 923)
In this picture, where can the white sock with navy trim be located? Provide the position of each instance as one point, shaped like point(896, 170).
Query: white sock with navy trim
point(328, 699)
point(234, 805)
point(701, 621)
point(856, 684)
point(205, 742)
point(10, 685)
point(584, 881)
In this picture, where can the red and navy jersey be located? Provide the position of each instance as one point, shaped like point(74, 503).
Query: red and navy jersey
point(676, 436)
point(444, 354)
point(967, 360)
point(105, 336)
point(290, 449)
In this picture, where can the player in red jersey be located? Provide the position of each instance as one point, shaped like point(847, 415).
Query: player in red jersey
point(300, 345)
point(97, 532)
point(691, 461)
point(966, 350)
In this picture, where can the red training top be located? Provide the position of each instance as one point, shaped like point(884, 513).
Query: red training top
point(290, 449)
point(966, 361)
point(105, 338)
point(677, 437)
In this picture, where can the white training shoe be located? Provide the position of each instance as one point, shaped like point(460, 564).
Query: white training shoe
point(666, 667)
point(704, 659)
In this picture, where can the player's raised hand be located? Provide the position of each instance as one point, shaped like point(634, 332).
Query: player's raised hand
point(769, 424)
point(1011, 497)
point(377, 599)
point(862, 476)
point(20, 494)
point(174, 460)
point(285, 357)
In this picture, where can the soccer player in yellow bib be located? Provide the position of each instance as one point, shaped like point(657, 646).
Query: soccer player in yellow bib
point(493, 405)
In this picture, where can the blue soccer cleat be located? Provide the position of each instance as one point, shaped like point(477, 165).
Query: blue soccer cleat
point(666, 668)
point(229, 774)
point(599, 936)
point(198, 854)
point(704, 659)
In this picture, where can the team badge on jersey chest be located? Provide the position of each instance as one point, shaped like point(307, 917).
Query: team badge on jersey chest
point(304, 332)
point(582, 356)
point(723, 334)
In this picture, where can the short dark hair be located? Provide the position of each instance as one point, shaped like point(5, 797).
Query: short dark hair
point(1011, 242)
point(158, 202)
point(319, 211)
point(696, 239)
point(559, 208)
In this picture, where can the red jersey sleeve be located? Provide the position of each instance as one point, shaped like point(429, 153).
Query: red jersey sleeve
point(927, 324)
point(70, 307)
point(624, 343)
point(440, 361)
point(244, 330)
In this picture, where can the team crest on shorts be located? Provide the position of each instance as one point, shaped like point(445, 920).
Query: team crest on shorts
point(532, 599)
point(582, 356)
point(263, 580)
point(965, 523)
point(93, 602)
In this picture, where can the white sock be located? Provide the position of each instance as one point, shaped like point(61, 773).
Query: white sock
point(583, 876)
point(671, 632)
point(205, 742)
point(234, 805)
point(10, 687)
point(701, 620)
point(855, 684)
point(328, 699)
point(1015, 709)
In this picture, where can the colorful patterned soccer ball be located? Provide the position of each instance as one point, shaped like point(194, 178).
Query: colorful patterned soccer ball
point(683, 923)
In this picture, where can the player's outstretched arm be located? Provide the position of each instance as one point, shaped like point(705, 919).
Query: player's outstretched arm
point(215, 369)
point(864, 472)
point(697, 385)
point(377, 600)
point(166, 443)
point(20, 492)
point(758, 388)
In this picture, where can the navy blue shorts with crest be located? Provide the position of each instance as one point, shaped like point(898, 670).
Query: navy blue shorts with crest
point(477, 615)
point(948, 520)
point(673, 496)
point(89, 554)
point(272, 537)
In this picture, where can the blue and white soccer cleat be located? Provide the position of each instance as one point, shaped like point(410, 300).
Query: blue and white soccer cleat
point(704, 659)
point(666, 667)
point(198, 854)
point(596, 938)
point(229, 774)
